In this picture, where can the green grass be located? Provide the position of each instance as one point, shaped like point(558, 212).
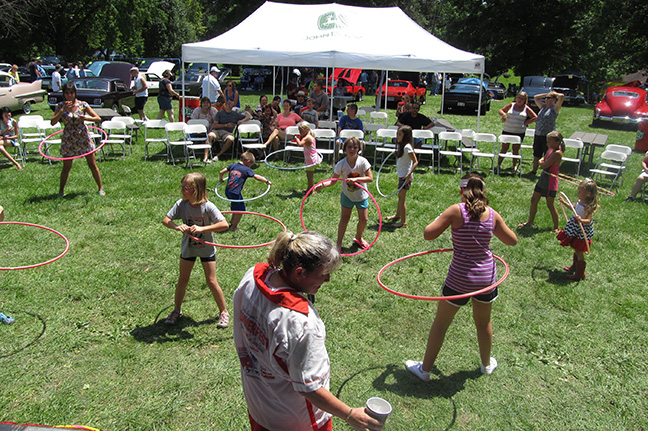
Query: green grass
point(86, 348)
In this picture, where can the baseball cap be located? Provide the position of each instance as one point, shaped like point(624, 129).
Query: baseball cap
point(214, 69)
point(301, 93)
point(134, 69)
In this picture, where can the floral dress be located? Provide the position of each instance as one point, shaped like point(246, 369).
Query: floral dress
point(76, 138)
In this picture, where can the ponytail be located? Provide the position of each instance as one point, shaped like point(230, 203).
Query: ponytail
point(474, 195)
point(308, 250)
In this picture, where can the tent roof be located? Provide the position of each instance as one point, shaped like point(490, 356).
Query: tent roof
point(334, 35)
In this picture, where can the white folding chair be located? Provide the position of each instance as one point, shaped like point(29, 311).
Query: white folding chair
point(150, 126)
point(28, 133)
point(577, 145)
point(175, 138)
point(291, 132)
point(512, 140)
point(378, 117)
point(528, 133)
point(384, 143)
point(249, 137)
point(371, 140)
point(444, 139)
point(348, 133)
point(486, 149)
point(361, 114)
point(46, 129)
point(327, 137)
point(610, 165)
point(195, 135)
point(325, 124)
point(426, 149)
point(130, 127)
point(116, 135)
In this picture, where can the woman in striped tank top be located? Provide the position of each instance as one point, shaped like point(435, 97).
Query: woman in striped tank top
point(472, 268)
point(516, 117)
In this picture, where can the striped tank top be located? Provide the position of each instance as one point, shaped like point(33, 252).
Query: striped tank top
point(472, 267)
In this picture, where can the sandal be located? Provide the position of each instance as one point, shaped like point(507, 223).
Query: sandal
point(363, 244)
point(397, 225)
point(173, 317)
point(392, 218)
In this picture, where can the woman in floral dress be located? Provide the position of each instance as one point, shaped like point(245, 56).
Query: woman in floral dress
point(76, 139)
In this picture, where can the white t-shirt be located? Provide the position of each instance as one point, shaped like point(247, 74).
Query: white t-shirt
point(210, 87)
point(279, 339)
point(354, 193)
point(202, 215)
point(404, 163)
point(56, 82)
point(138, 84)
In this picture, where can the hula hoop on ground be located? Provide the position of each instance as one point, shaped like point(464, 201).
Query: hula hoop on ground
point(575, 181)
point(579, 223)
point(241, 246)
point(378, 179)
point(362, 250)
point(239, 200)
point(295, 168)
point(103, 142)
point(440, 298)
point(67, 246)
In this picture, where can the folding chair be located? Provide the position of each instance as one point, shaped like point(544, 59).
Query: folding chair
point(249, 138)
point(378, 117)
point(348, 133)
point(384, 145)
point(175, 138)
point(116, 131)
point(371, 139)
point(576, 144)
point(291, 132)
point(28, 133)
point(195, 135)
point(610, 165)
point(46, 129)
point(325, 124)
point(512, 140)
point(486, 144)
point(149, 127)
point(444, 138)
point(528, 133)
point(325, 136)
point(130, 127)
point(425, 148)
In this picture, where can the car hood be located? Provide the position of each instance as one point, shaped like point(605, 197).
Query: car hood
point(621, 105)
point(461, 88)
point(158, 67)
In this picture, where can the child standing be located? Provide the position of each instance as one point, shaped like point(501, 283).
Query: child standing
point(238, 174)
point(406, 162)
point(572, 235)
point(199, 218)
point(356, 169)
point(9, 134)
point(312, 158)
point(547, 185)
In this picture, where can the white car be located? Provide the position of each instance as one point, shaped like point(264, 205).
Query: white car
point(154, 75)
point(17, 96)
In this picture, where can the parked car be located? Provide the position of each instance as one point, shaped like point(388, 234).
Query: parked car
point(353, 90)
point(396, 88)
point(193, 82)
point(23, 72)
point(99, 93)
point(534, 85)
point(621, 105)
point(464, 96)
point(19, 95)
point(569, 84)
point(47, 80)
point(117, 69)
point(497, 90)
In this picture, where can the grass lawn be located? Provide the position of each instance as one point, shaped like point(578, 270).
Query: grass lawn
point(88, 346)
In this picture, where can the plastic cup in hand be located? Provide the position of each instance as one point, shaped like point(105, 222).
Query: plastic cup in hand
point(378, 409)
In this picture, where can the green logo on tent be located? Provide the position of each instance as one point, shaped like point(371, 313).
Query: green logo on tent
point(330, 20)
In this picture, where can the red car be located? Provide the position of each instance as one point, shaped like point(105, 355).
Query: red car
point(622, 105)
point(396, 89)
point(354, 90)
point(349, 78)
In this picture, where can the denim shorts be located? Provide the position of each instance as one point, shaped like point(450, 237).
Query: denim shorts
point(348, 203)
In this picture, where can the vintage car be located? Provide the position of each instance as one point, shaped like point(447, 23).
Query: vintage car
point(621, 105)
point(534, 85)
point(352, 90)
point(193, 82)
point(396, 88)
point(570, 84)
point(497, 90)
point(99, 93)
point(16, 96)
point(464, 96)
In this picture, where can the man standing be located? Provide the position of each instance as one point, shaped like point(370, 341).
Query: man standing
point(210, 86)
point(140, 90)
point(224, 123)
point(321, 99)
point(56, 79)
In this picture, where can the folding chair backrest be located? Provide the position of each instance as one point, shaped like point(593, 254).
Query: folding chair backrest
point(573, 143)
point(467, 133)
point(422, 134)
point(450, 136)
point(175, 127)
point(325, 124)
point(155, 124)
point(129, 121)
point(378, 117)
point(113, 127)
point(46, 128)
point(348, 133)
point(529, 133)
point(619, 149)
point(195, 129)
point(509, 139)
point(325, 135)
point(485, 137)
point(199, 121)
point(248, 128)
point(612, 156)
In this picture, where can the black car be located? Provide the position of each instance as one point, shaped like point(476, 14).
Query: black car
point(534, 85)
point(99, 93)
point(464, 96)
point(497, 90)
point(570, 84)
point(193, 82)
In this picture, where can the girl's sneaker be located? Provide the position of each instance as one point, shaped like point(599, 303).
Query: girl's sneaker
point(173, 318)
point(7, 320)
point(488, 370)
point(223, 320)
point(414, 367)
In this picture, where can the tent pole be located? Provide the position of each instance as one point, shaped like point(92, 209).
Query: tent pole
point(386, 87)
point(443, 92)
point(274, 81)
point(481, 90)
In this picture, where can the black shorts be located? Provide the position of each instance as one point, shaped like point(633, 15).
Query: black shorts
point(211, 258)
point(484, 297)
point(140, 102)
point(542, 186)
point(539, 146)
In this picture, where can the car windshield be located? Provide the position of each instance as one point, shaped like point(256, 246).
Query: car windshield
point(189, 77)
point(622, 93)
point(91, 84)
point(397, 84)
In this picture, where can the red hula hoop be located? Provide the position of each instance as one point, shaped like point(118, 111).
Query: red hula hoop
point(362, 250)
point(67, 246)
point(241, 246)
point(103, 142)
point(440, 298)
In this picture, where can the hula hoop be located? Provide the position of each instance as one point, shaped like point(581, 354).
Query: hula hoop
point(575, 181)
point(440, 298)
point(362, 250)
point(241, 246)
point(297, 168)
point(378, 179)
point(67, 246)
point(579, 223)
point(239, 200)
point(103, 142)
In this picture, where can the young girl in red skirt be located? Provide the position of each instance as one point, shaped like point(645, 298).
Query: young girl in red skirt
point(572, 234)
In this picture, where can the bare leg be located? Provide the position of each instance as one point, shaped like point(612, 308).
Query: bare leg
point(272, 137)
point(482, 318)
point(212, 283)
point(516, 152)
point(183, 280)
point(309, 176)
point(11, 159)
point(92, 164)
point(401, 209)
point(554, 212)
point(342, 226)
point(236, 218)
point(65, 173)
point(535, 198)
point(226, 145)
point(503, 150)
point(637, 185)
point(536, 163)
point(363, 216)
point(171, 116)
point(444, 317)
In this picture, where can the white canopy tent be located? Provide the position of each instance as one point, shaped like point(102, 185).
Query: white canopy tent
point(334, 35)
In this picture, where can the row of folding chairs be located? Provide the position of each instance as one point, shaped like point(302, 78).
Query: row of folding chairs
point(612, 164)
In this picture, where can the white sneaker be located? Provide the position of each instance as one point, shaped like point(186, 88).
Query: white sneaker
point(215, 158)
point(224, 319)
point(414, 367)
point(489, 369)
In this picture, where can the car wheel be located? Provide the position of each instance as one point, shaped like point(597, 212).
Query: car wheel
point(115, 107)
point(26, 107)
point(359, 96)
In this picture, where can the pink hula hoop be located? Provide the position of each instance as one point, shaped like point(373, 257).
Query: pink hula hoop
point(67, 246)
point(241, 246)
point(440, 298)
point(103, 142)
point(362, 250)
